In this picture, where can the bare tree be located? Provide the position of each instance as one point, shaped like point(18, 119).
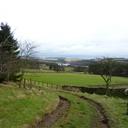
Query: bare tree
point(27, 50)
point(106, 68)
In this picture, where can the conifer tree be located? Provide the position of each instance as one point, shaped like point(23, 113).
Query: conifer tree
point(9, 53)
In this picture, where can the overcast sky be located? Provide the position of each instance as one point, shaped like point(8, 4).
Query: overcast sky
point(70, 27)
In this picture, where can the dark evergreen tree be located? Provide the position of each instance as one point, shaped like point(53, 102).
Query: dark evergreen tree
point(9, 54)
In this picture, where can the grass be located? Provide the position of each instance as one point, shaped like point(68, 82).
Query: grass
point(19, 107)
point(79, 115)
point(75, 79)
point(115, 109)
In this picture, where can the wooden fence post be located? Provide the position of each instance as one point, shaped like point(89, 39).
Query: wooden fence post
point(24, 83)
point(30, 84)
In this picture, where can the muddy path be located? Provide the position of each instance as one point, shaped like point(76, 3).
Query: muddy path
point(100, 120)
point(50, 118)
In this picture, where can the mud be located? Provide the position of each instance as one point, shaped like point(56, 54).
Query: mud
point(101, 120)
point(50, 118)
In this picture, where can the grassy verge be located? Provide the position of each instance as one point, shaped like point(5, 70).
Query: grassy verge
point(115, 109)
point(75, 79)
point(19, 107)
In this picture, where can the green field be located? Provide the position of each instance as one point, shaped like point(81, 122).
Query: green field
point(75, 79)
point(20, 107)
point(115, 107)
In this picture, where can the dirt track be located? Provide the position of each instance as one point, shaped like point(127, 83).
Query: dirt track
point(49, 119)
point(101, 120)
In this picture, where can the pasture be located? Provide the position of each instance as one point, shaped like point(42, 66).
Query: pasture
point(20, 107)
point(115, 107)
point(75, 79)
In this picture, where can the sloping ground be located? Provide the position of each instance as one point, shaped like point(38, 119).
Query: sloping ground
point(115, 108)
point(80, 113)
point(50, 118)
point(101, 119)
point(109, 112)
point(19, 107)
point(98, 118)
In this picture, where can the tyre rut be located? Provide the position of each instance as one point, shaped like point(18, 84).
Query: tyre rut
point(50, 118)
point(101, 120)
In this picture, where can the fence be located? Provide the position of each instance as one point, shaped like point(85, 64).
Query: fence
point(29, 84)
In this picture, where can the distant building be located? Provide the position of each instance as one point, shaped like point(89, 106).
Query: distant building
point(63, 64)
